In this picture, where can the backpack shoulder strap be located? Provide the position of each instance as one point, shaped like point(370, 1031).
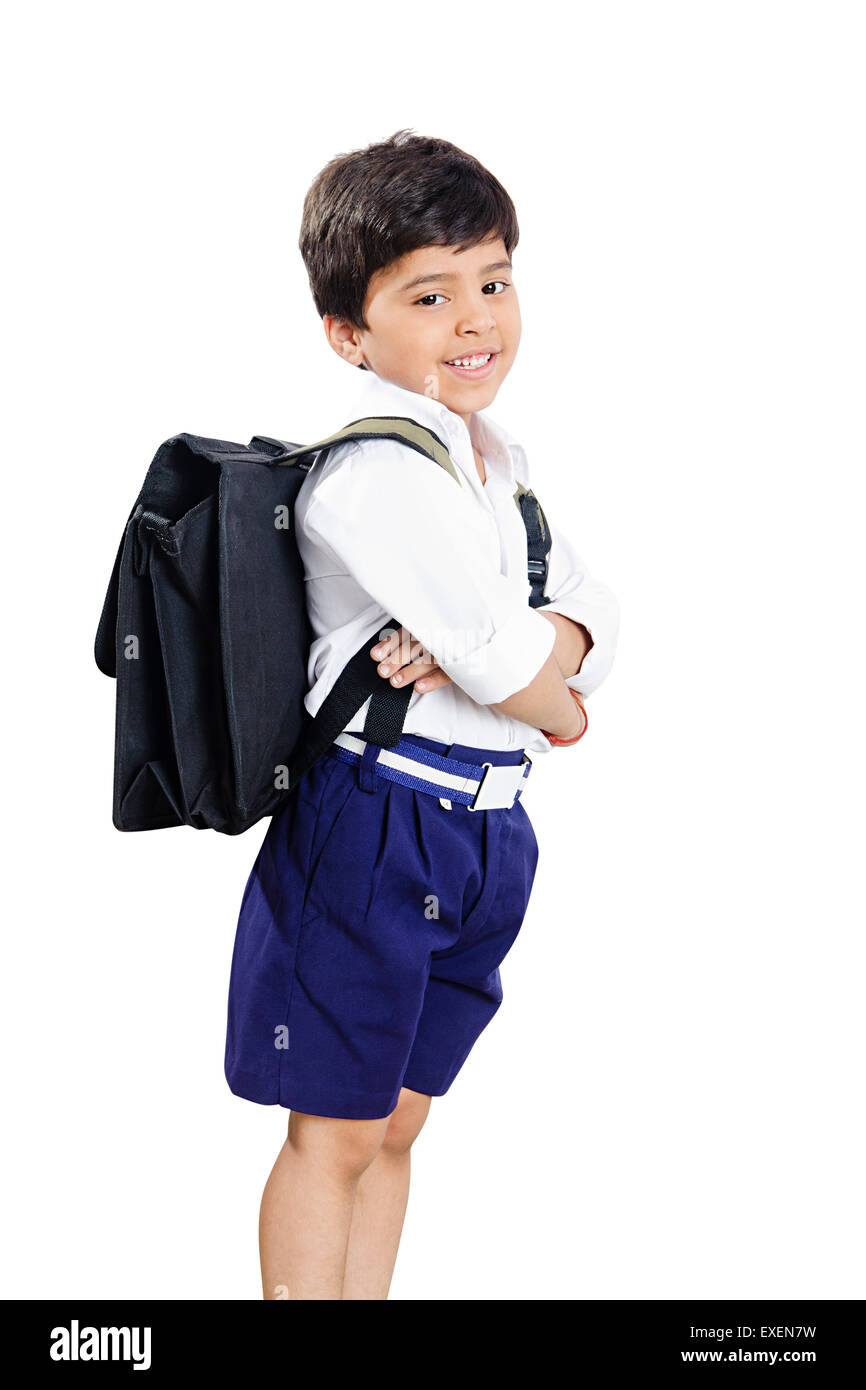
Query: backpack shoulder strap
point(399, 427)
point(538, 541)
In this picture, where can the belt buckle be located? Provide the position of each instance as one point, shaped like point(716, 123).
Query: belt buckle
point(492, 782)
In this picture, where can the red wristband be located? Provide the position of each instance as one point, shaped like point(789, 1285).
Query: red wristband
point(567, 742)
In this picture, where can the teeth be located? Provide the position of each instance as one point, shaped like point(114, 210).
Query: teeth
point(470, 361)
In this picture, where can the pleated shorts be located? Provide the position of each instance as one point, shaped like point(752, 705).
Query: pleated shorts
point(370, 935)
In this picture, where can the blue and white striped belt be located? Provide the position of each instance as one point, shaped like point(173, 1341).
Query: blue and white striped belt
point(477, 786)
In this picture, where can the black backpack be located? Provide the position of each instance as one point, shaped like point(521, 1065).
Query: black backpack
point(205, 628)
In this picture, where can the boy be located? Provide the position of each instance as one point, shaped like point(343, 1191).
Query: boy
point(379, 908)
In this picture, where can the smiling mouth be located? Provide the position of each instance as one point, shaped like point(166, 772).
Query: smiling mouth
point(473, 364)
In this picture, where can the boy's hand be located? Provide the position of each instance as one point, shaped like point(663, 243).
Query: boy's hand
point(403, 658)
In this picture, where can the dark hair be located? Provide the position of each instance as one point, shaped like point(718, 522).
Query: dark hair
point(368, 208)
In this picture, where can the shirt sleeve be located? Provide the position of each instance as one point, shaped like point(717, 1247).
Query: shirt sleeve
point(402, 527)
point(576, 594)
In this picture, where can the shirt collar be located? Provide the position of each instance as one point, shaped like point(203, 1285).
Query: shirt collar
point(378, 396)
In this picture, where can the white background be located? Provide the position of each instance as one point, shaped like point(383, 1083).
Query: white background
point(670, 1102)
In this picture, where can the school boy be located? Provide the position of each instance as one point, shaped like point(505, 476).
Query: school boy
point(382, 902)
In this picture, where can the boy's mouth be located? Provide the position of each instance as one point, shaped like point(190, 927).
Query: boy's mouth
point(473, 366)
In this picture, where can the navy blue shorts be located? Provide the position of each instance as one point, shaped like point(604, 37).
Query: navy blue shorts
point(369, 940)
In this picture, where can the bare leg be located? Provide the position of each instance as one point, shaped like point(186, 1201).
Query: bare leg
point(380, 1203)
point(307, 1204)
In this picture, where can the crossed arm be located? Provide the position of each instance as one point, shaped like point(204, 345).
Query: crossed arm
point(545, 703)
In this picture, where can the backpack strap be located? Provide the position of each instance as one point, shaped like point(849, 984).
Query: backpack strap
point(399, 427)
point(538, 541)
point(356, 683)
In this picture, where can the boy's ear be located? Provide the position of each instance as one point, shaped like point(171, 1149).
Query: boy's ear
point(343, 338)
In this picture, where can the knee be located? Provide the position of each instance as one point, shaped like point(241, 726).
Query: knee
point(344, 1148)
point(406, 1122)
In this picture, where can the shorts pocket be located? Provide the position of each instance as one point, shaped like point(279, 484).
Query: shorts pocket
point(322, 872)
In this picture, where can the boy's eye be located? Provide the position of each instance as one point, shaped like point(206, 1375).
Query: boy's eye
point(427, 297)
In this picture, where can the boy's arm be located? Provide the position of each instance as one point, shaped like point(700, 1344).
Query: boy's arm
point(401, 527)
point(547, 705)
point(571, 644)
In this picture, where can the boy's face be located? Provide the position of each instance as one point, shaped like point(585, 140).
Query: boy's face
point(430, 307)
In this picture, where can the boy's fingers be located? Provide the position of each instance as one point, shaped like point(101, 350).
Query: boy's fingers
point(386, 646)
point(400, 650)
point(399, 642)
point(400, 675)
point(428, 670)
point(432, 682)
point(401, 659)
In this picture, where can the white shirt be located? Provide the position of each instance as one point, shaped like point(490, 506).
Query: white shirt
point(385, 532)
